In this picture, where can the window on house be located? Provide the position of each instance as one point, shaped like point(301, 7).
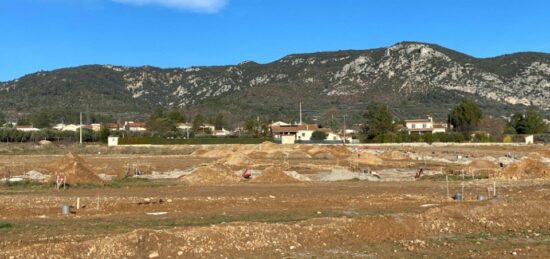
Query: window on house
point(424, 125)
point(413, 126)
point(303, 134)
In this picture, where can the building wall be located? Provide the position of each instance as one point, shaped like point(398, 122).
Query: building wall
point(137, 129)
point(439, 130)
point(288, 139)
point(419, 125)
point(112, 141)
point(304, 135)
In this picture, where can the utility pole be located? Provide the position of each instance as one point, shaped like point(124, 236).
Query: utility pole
point(345, 129)
point(80, 128)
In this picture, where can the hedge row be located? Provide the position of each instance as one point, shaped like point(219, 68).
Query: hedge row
point(192, 141)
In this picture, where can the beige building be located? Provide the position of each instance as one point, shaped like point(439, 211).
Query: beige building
point(421, 126)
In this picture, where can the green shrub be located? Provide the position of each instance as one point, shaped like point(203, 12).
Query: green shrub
point(5, 225)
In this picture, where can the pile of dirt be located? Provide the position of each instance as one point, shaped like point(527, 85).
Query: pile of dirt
point(214, 174)
point(276, 155)
point(298, 154)
point(482, 165)
point(236, 159)
point(34, 175)
point(327, 152)
point(4, 172)
point(394, 155)
point(367, 159)
point(545, 153)
point(267, 146)
point(526, 169)
point(343, 174)
point(75, 170)
point(212, 153)
point(274, 175)
point(324, 155)
point(257, 155)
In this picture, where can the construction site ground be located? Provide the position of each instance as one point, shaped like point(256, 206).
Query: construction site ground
point(395, 216)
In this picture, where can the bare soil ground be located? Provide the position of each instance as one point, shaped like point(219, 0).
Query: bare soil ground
point(171, 218)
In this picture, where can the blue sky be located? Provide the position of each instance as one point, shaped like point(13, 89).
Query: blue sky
point(49, 34)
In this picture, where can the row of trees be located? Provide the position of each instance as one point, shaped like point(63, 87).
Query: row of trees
point(162, 122)
point(13, 135)
point(165, 122)
point(46, 118)
point(465, 117)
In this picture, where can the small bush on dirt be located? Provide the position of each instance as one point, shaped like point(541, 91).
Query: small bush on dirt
point(452, 177)
point(25, 185)
point(5, 225)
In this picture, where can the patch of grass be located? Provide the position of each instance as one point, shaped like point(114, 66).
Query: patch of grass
point(452, 177)
point(26, 185)
point(93, 226)
point(122, 183)
point(5, 225)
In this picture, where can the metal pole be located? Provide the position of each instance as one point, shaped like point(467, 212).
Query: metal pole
point(80, 128)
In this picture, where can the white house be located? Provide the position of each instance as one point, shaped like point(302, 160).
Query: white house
point(421, 126)
point(305, 135)
point(95, 127)
point(135, 126)
point(279, 123)
point(221, 133)
point(291, 129)
point(67, 127)
point(184, 126)
point(206, 127)
point(26, 128)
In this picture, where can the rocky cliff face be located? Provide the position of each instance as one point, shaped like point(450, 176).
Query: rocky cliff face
point(397, 74)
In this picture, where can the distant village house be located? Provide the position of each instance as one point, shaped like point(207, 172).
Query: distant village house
point(422, 126)
point(26, 128)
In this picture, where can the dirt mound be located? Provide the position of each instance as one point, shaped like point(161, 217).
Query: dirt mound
point(75, 170)
point(5, 172)
point(482, 165)
point(276, 155)
point(545, 153)
point(334, 151)
point(214, 153)
point(236, 159)
point(324, 155)
point(298, 154)
point(394, 155)
point(215, 174)
point(340, 151)
point(274, 175)
point(526, 169)
point(367, 159)
point(267, 146)
point(257, 155)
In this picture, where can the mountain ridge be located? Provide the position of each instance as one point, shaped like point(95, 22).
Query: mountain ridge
point(404, 74)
